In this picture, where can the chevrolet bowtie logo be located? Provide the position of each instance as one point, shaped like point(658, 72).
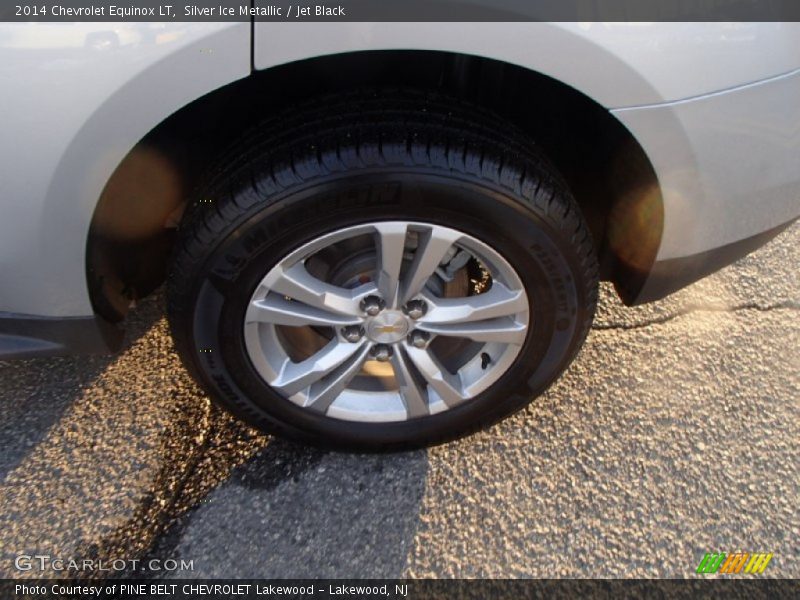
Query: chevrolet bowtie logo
point(388, 329)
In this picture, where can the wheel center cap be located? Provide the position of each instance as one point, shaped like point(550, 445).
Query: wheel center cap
point(388, 327)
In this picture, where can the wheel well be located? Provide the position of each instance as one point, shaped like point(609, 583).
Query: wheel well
point(131, 234)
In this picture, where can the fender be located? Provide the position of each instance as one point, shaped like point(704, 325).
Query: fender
point(56, 165)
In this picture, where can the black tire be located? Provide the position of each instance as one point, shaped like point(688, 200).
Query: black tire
point(372, 156)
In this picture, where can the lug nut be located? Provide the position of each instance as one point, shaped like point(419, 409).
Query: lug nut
point(372, 305)
point(419, 339)
point(416, 309)
point(382, 352)
point(353, 333)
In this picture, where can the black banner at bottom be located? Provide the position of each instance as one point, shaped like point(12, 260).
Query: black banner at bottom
point(395, 589)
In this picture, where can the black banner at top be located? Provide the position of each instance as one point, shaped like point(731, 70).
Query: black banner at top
point(399, 10)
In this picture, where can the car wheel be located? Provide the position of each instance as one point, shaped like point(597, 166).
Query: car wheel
point(381, 270)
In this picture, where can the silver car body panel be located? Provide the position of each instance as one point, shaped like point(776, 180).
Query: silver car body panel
point(69, 114)
point(714, 105)
point(728, 163)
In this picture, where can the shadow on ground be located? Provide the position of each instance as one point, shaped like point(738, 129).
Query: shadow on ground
point(103, 457)
point(95, 451)
point(293, 511)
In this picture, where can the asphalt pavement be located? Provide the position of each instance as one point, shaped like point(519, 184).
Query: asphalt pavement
point(675, 433)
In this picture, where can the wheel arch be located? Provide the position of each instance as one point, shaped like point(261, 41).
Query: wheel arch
point(605, 167)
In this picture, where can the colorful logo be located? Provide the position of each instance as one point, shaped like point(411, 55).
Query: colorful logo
point(731, 564)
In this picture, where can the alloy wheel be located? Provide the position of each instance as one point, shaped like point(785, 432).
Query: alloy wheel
point(386, 321)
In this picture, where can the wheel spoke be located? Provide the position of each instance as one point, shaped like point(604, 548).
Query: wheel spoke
point(391, 245)
point(431, 249)
point(499, 301)
point(503, 330)
point(413, 395)
point(298, 284)
point(280, 311)
point(447, 385)
point(295, 377)
point(325, 391)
